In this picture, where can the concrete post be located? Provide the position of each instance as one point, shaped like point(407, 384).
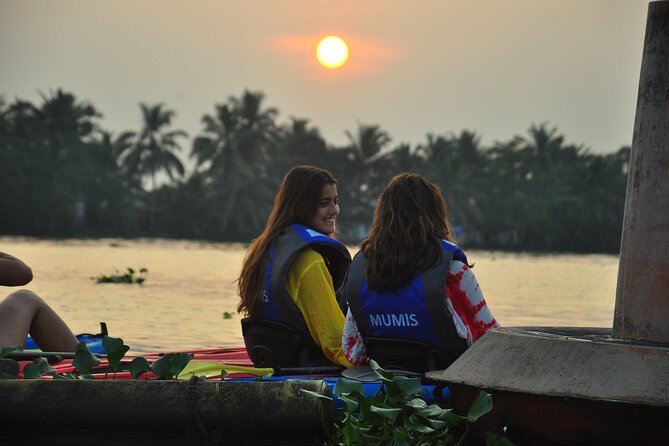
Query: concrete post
point(642, 297)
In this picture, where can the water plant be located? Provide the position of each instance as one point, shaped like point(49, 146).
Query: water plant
point(169, 366)
point(8, 367)
point(396, 415)
point(127, 277)
point(84, 362)
point(116, 350)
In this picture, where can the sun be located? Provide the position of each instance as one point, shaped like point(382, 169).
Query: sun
point(332, 52)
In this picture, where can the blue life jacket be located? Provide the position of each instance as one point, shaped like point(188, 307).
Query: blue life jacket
point(417, 312)
point(277, 307)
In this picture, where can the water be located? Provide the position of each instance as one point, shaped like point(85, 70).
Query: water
point(190, 285)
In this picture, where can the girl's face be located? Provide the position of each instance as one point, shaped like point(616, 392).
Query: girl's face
point(328, 209)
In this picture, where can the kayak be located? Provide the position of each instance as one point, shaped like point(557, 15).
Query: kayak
point(230, 363)
point(92, 341)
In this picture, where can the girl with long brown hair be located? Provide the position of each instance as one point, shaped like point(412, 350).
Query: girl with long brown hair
point(411, 283)
point(291, 275)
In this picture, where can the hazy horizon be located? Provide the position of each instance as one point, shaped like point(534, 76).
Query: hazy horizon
point(414, 68)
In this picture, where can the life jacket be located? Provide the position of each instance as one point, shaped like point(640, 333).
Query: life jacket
point(277, 331)
point(415, 317)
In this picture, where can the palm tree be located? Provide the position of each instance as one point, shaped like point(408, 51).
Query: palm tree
point(300, 143)
point(255, 131)
point(64, 131)
point(555, 171)
point(155, 148)
point(152, 151)
point(234, 152)
point(364, 155)
point(403, 158)
point(457, 163)
point(367, 143)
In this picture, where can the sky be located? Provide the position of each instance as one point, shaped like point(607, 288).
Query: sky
point(419, 67)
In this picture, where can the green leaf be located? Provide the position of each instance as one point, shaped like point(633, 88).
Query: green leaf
point(44, 366)
point(32, 371)
point(417, 404)
point(4, 351)
point(179, 362)
point(409, 387)
point(415, 424)
point(111, 344)
point(8, 368)
point(39, 367)
point(161, 367)
point(84, 360)
point(116, 350)
point(312, 394)
point(384, 375)
point(363, 403)
point(347, 386)
point(433, 411)
point(388, 413)
point(350, 403)
point(481, 406)
point(451, 418)
point(138, 366)
point(170, 365)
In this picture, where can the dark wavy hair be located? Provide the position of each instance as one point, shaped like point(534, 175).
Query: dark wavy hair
point(296, 202)
point(410, 220)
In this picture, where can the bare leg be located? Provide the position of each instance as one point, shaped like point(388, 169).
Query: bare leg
point(24, 312)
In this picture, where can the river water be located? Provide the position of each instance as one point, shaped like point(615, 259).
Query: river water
point(190, 286)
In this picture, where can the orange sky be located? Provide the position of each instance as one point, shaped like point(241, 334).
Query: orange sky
point(415, 67)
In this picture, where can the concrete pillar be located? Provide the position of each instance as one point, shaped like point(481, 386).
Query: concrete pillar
point(642, 297)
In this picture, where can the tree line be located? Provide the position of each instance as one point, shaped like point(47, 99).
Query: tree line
point(63, 175)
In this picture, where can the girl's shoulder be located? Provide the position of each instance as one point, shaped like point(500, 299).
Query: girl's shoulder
point(307, 257)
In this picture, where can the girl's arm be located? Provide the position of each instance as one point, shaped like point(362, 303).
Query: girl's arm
point(471, 315)
point(310, 285)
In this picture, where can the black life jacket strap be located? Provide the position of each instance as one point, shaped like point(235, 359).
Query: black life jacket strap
point(356, 277)
point(440, 316)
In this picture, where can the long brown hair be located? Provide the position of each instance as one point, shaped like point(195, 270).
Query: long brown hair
point(296, 202)
point(410, 220)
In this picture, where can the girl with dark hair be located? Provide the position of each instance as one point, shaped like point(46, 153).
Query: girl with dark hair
point(291, 275)
point(411, 284)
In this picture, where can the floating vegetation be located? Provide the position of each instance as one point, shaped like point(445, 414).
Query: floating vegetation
point(127, 277)
point(397, 415)
point(167, 367)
